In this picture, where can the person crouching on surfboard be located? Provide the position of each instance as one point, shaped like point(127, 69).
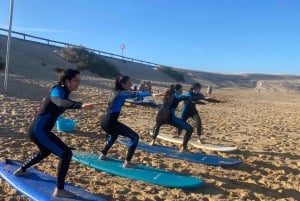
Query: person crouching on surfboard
point(109, 121)
point(56, 102)
point(189, 110)
point(166, 114)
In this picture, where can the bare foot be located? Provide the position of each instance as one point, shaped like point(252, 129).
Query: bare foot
point(62, 193)
point(199, 141)
point(129, 164)
point(102, 157)
point(20, 172)
point(152, 142)
point(182, 149)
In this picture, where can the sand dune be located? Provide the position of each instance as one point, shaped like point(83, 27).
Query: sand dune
point(27, 57)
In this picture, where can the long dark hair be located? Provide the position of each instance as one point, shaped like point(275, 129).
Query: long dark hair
point(64, 75)
point(121, 80)
point(171, 90)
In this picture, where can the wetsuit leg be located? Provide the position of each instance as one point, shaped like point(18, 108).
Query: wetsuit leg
point(121, 129)
point(197, 119)
point(109, 143)
point(128, 132)
point(54, 145)
point(63, 167)
point(107, 123)
point(159, 121)
point(178, 123)
point(183, 118)
point(156, 130)
point(43, 153)
point(65, 155)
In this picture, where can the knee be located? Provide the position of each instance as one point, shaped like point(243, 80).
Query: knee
point(135, 139)
point(189, 130)
point(67, 154)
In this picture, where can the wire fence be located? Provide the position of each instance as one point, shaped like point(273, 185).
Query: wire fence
point(24, 36)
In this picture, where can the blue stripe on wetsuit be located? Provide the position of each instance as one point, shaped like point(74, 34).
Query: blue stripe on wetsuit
point(58, 92)
point(59, 97)
point(42, 137)
point(120, 99)
point(189, 94)
point(178, 121)
point(42, 120)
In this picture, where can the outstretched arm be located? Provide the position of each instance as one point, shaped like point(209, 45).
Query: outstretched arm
point(66, 103)
point(211, 100)
point(59, 98)
point(131, 94)
point(88, 106)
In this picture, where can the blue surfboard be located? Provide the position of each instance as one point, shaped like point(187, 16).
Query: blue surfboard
point(141, 172)
point(188, 156)
point(39, 186)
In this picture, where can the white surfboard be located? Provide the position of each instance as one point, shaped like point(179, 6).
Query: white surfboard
point(211, 147)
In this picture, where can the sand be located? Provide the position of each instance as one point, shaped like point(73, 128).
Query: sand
point(264, 126)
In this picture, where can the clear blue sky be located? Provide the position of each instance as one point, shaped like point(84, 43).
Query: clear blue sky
point(226, 36)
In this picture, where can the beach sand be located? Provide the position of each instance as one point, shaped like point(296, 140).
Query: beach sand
point(264, 126)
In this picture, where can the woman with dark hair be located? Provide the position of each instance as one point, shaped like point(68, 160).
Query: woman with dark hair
point(53, 105)
point(189, 110)
point(166, 114)
point(110, 123)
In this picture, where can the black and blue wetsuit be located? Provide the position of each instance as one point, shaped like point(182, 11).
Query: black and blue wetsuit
point(166, 115)
point(189, 110)
point(40, 131)
point(113, 127)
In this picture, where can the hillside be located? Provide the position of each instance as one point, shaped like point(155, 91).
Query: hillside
point(33, 59)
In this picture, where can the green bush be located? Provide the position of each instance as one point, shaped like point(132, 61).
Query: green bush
point(172, 73)
point(90, 61)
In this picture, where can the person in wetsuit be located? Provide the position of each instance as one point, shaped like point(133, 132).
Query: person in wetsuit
point(166, 114)
point(110, 124)
point(53, 105)
point(189, 110)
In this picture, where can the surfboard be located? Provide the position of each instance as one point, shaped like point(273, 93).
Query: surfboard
point(144, 102)
point(188, 156)
point(211, 147)
point(39, 186)
point(141, 172)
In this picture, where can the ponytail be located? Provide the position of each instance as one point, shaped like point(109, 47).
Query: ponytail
point(121, 80)
point(171, 90)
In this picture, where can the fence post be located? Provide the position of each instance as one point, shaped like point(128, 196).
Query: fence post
point(209, 89)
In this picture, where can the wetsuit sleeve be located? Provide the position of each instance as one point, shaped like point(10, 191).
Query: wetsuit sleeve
point(59, 98)
point(181, 97)
point(199, 102)
point(128, 94)
point(144, 93)
point(197, 97)
point(194, 97)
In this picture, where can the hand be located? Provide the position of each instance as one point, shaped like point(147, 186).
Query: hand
point(88, 106)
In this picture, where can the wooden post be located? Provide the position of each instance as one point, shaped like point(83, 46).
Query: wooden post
point(209, 89)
